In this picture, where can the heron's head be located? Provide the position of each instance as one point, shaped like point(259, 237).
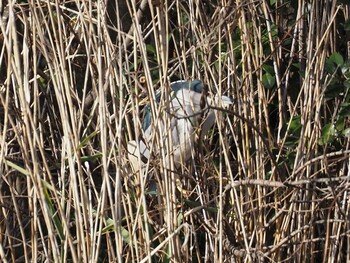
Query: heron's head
point(183, 91)
point(191, 96)
point(196, 87)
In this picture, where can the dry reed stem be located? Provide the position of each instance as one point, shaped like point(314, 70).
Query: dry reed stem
point(73, 88)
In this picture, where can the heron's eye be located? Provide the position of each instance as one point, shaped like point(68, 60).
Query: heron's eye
point(142, 79)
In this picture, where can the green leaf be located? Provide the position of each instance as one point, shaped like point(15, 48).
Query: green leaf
point(110, 227)
point(87, 139)
point(295, 125)
point(194, 204)
point(346, 132)
point(334, 90)
point(125, 234)
point(180, 218)
point(347, 74)
point(347, 25)
point(340, 124)
point(296, 65)
point(336, 58)
point(290, 159)
point(167, 253)
point(91, 157)
point(345, 68)
point(17, 168)
point(268, 80)
point(291, 141)
point(150, 49)
point(54, 215)
point(49, 205)
point(334, 62)
point(328, 133)
point(347, 83)
point(293, 137)
point(344, 110)
point(268, 69)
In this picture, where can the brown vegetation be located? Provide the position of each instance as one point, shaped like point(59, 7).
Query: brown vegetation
point(269, 183)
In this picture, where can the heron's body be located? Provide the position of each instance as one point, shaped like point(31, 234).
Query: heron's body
point(188, 117)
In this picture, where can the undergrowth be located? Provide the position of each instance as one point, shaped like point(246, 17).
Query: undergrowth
point(269, 182)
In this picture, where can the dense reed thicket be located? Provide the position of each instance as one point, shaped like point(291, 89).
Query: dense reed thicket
point(268, 184)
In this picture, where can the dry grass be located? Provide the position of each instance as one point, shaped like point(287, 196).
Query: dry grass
point(262, 186)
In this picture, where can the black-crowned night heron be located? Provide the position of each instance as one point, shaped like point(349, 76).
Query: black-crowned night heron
point(190, 116)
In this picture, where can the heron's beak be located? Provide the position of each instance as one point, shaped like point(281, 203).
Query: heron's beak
point(226, 101)
point(222, 101)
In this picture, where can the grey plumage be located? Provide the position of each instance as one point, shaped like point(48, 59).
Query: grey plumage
point(187, 113)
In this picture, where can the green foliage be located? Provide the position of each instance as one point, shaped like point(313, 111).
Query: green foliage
point(347, 25)
point(329, 132)
point(268, 79)
point(293, 134)
point(53, 213)
point(337, 70)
